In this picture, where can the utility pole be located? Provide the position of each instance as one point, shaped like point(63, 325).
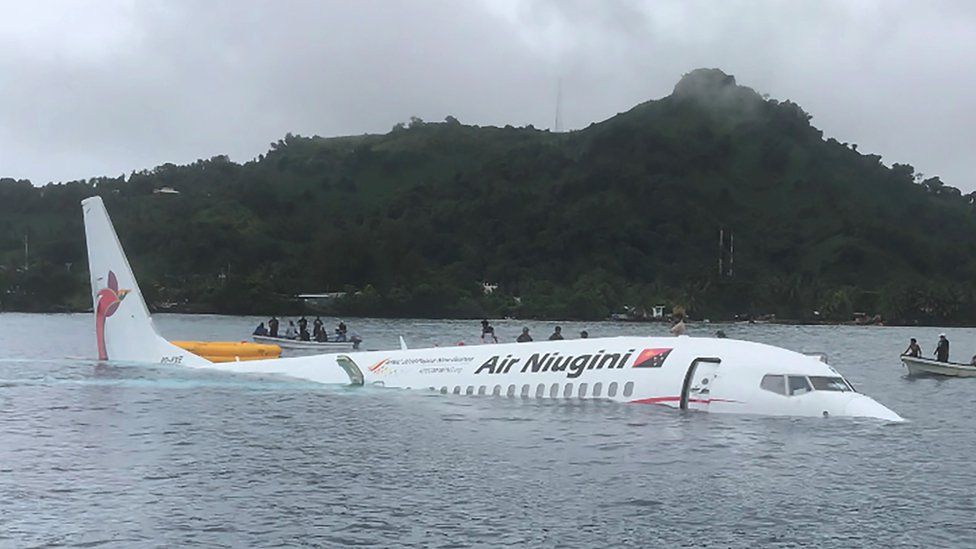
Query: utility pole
point(721, 252)
point(26, 253)
point(725, 266)
point(558, 126)
point(731, 252)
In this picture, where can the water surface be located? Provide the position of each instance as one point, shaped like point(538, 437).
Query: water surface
point(120, 455)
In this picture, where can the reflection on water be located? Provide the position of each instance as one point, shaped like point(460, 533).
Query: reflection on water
point(131, 455)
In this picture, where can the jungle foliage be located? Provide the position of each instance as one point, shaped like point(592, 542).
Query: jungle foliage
point(624, 213)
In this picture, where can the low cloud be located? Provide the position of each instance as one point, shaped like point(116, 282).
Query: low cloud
point(104, 88)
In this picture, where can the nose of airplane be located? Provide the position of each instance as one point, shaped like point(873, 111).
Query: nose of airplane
point(864, 406)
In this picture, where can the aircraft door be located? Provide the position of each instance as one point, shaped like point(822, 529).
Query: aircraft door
point(699, 381)
point(353, 371)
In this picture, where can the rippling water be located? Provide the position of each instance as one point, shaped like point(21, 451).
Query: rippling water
point(127, 455)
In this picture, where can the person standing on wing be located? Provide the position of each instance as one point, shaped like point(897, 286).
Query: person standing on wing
point(488, 336)
point(679, 327)
point(290, 332)
point(942, 349)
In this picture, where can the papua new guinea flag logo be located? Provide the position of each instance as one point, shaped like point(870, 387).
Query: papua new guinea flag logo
point(108, 301)
point(651, 358)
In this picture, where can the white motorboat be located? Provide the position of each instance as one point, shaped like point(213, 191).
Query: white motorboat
point(286, 343)
point(918, 366)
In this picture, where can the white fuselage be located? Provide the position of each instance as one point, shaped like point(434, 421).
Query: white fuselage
point(716, 375)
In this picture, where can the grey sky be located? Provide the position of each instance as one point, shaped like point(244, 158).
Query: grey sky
point(110, 86)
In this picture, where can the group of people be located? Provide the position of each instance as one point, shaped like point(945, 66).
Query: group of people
point(319, 332)
point(941, 350)
point(488, 334)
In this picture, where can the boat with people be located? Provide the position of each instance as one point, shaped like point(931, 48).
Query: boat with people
point(918, 366)
point(716, 375)
point(311, 345)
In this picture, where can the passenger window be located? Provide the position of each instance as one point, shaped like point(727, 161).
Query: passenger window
point(540, 391)
point(568, 391)
point(597, 389)
point(554, 391)
point(628, 388)
point(525, 391)
point(457, 390)
point(582, 390)
point(469, 390)
point(497, 391)
point(798, 385)
point(443, 390)
point(775, 384)
point(612, 389)
point(511, 391)
point(482, 390)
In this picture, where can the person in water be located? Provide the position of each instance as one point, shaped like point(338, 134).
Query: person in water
point(488, 336)
point(273, 327)
point(316, 327)
point(942, 349)
point(557, 334)
point(290, 332)
point(261, 330)
point(913, 349)
point(584, 334)
point(721, 334)
point(525, 337)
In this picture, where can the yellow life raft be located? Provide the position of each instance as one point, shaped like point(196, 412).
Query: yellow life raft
point(230, 351)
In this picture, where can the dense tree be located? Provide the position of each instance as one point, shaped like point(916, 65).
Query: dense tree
point(623, 214)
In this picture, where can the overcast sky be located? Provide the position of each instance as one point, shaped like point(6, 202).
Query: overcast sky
point(106, 87)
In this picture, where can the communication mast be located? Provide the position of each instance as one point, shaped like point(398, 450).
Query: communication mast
point(558, 126)
point(726, 253)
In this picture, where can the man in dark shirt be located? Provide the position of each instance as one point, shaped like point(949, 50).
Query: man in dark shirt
point(525, 337)
point(557, 334)
point(942, 349)
point(273, 327)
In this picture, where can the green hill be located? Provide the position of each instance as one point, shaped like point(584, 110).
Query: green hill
point(624, 213)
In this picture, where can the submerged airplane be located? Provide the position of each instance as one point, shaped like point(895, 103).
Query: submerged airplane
point(704, 374)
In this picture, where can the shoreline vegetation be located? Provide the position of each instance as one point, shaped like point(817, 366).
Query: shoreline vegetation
point(715, 199)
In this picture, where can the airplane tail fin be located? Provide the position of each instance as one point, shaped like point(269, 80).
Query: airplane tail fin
point(123, 328)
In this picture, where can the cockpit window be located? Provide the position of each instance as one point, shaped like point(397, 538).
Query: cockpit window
point(798, 385)
point(776, 384)
point(825, 383)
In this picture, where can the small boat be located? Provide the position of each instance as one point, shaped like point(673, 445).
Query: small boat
point(918, 366)
point(286, 343)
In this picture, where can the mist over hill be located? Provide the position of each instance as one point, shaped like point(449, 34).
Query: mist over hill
point(624, 213)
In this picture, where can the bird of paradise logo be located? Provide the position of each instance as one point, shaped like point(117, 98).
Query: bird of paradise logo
point(108, 302)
